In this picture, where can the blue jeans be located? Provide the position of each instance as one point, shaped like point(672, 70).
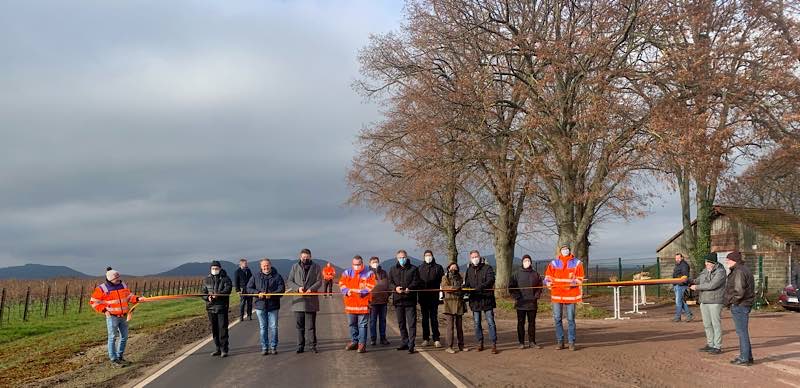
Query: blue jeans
point(741, 319)
point(680, 304)
point(558, 318)
point(116, 326)
point(377, 319)
point(358, 327)
point(476, 317)
point(268, 319)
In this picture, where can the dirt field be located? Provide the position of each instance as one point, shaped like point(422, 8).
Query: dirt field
point(645, 351)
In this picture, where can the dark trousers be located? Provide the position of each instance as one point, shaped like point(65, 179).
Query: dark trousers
point(246, 304)
point(430, 319)
point(407, 321)
point(455, 323)
point(219, 329)
point(328, 286)
point(377, 321)
point(306, 328)
point(531, 316)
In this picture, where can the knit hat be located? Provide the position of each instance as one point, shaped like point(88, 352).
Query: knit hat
point(216, 263)
point(711, 258)
point(735, 256)
point(111, 274)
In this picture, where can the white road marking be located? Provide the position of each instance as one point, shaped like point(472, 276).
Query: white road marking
point(784, 368)
point(436, 364)
point(180, 358)
point(789, 383)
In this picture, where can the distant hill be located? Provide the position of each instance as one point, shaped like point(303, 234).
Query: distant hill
point(39, 271)
point(283, 266)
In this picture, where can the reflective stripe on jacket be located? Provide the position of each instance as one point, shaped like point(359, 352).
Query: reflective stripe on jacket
point(566, 270)
point(114, 298)
point(360, 285)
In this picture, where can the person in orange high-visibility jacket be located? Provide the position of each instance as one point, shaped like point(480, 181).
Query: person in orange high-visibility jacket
point(114, 299)
point(328, 273)
point(564, 277)
point(356, 285)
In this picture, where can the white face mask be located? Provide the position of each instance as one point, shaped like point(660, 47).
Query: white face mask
point(373, 265)
point(428, 259)
point(565, 252)
point(215, 272)
point(526, 264)
point(475, 260)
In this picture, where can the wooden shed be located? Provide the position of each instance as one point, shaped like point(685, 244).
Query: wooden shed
point(772, 234)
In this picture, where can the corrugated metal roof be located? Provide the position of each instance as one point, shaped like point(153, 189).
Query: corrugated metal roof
point(773, 222)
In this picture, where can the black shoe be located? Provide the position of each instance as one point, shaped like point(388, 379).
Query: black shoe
point(705, 348)
point(411, 351)
point(385, 342)
point(117, 364)
point(123, 361)
point(224, 354)
point(403, 347)
point(300, 350)
point(742, 362)
point(690, 318)
point(274, 352)
point(373, 342)
point(715, 351)
point(216, 353)
point(314, 350)
point(265, 352)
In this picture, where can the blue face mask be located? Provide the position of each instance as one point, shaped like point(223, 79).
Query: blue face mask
point(402, 261)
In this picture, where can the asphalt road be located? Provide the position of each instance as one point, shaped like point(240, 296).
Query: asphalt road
point(331, 367)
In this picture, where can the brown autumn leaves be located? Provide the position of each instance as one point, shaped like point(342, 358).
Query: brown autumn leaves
point(521, 116)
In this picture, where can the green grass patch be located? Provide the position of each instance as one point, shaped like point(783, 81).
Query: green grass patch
point(584, 311)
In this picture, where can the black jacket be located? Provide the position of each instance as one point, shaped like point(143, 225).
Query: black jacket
point(406, 276)
point(525, 298)
point(431, 277)
point(740, 286)
point(241, 278)
point(379, 292)
point(219, 284)
point(481, 278)
point(267, 283)
point(681, 269)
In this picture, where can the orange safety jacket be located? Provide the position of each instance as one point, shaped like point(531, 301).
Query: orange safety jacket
point(328, 273)
point(566, 270)
point(114, 298)
point(360, 285)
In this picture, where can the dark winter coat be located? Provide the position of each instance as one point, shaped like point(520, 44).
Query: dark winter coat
point(311, 280)
point(267, 284)
point(681, 269)
point(241, 278)
point(740, 286)
point(379, 292)
point(219, 284)
point(481, 278)
point(406, 276)
point(525, 298)
point(431, 277)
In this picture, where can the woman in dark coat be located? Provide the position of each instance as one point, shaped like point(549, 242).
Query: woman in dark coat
point(526, 300)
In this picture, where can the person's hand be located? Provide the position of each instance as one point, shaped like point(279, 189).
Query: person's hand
point(407, 290)
point(210, 298)
point(141, 299)
point(348, 293)
point(308, 291)
point(574, 282)
point(301, 290)
point(398, 290)
point(108, 314)
point(693, 287)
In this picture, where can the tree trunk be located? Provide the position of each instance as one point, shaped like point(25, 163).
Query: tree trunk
point(452, 248)
point(706, 193)
point(504, 242)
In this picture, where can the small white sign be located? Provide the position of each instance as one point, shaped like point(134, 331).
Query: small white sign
point(792, 299)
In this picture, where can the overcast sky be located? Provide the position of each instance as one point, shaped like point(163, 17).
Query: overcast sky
point(144, 135)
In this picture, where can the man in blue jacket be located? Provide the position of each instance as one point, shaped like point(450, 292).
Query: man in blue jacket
point(681, 269)
point(268, 281)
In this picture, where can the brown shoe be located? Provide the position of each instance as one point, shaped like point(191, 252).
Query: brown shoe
point(494, 349)
point(480, 347)
point(362, 348)
point(572, 347)
point(559, 346)
point(351, 346)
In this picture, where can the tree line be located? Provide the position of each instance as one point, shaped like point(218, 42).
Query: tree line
point(506, 117)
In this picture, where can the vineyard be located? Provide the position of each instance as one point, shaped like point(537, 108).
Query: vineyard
point(30, 300)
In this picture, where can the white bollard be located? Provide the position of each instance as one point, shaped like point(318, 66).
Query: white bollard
point(617, 315)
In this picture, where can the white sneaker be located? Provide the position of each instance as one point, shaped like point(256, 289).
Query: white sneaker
point(437, 344)
point(425, 343)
